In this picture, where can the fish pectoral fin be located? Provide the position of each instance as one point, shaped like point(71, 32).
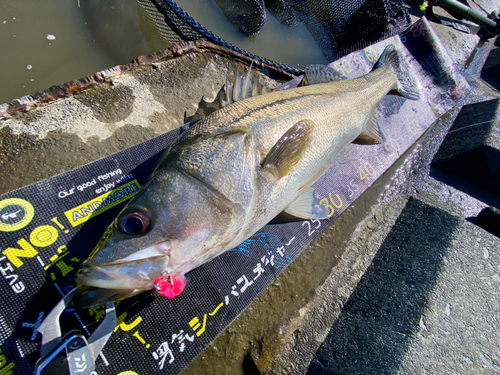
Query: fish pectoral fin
point(372, 134)
point(307, 206)
point(317, 73)
point(287, 152)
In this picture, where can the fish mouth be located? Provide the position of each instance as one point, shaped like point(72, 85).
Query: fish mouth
point(157, 250)
point(112, 277)
point(137, 271)
point(92, 296)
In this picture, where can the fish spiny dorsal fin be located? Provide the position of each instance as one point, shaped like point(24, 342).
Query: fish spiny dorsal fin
point(228, 88)
point(307, 206)
point(317, 73)
point(243, 88)
point(287, 152)
point(406, 84)
point(372, 133)
point(237, 87)
point(247, 84)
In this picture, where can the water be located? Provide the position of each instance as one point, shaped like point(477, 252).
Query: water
point(292, 46)
point(96, 35)
point(92, 35)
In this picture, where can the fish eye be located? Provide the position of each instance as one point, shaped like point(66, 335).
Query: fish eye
point(134, 220)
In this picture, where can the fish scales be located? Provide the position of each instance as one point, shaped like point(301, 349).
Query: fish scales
point(333, 108)
point(231, 173)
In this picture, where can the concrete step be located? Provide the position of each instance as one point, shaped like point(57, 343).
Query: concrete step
point(428, 303)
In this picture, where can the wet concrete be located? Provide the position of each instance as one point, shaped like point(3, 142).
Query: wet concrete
point(25, 159)
point(70, 125)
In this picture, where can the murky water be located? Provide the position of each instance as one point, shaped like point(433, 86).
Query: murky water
point(50, 42)
point(291, 46)
point(96, 35)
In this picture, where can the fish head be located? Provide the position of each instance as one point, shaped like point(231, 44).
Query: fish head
point(163, 230)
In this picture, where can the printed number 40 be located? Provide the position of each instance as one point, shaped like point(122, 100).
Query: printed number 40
point(366, 171)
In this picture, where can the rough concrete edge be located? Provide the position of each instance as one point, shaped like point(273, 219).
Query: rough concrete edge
point(52, 94)
point(301, 337)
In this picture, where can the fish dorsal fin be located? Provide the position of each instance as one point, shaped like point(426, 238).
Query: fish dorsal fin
point(372, 133)
point(287, 152)
point(307, 206)
point(317, 73)
point(243, 88)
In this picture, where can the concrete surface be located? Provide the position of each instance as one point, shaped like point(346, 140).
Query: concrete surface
point(428, 304)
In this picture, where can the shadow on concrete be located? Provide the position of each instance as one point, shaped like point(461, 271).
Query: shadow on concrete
point(382, 315)
point(467, 159)
point(490, 72)
point(475, 172)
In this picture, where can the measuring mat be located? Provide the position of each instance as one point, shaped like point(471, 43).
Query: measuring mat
point(47, 229)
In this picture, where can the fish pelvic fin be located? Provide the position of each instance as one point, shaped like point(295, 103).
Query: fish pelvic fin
point(307, 206)
point(372, 134)
point(287, 152)
point(406, 83)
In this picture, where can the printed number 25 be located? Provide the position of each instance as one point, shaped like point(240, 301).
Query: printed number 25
point(310, 229)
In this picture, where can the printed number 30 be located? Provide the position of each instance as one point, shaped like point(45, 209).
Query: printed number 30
point(326, 202)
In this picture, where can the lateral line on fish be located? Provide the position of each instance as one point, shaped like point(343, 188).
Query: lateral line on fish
point(372, 76)
point(272, 105)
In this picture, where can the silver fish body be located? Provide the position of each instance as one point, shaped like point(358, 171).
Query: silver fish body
point(231, 173)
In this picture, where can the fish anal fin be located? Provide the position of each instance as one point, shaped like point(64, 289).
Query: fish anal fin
point(287, 152)
point(372, 133)
point(317, 73)
point(307, 206)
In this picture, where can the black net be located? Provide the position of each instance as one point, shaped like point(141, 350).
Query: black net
point(338, 27)
point(249, 16)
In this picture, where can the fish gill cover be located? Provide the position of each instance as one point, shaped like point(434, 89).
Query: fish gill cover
point(47, 229)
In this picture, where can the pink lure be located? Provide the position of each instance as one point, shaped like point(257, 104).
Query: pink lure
point(170, 286)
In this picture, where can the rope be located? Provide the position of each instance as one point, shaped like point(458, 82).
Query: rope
point(216, 39)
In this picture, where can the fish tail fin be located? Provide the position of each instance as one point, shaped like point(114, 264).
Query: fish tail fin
point(406, 84)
